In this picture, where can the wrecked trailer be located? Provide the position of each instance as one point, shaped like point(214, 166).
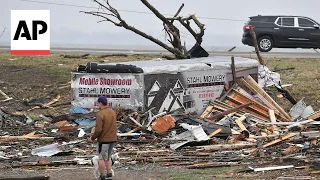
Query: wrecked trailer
point(164, 85)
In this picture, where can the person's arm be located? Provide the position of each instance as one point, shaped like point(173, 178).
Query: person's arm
point(98, 128)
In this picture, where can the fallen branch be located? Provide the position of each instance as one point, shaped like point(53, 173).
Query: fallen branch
point(111, 55)
point(284, 69)
point(84, 56)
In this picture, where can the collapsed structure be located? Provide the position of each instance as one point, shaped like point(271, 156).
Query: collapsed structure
point(190, 113)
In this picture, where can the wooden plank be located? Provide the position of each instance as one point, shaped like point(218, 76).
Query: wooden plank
point(30, 134)
point(276, 141)
point(260, 91)
point(273, 119)
point(240, 124)
point(258, 106)
point(256, 93)
point(229, 111)
point(133, 130)
point(46, 105)
point(215, 133)
point(10, 138)
point(224, 147)
point(206, 112)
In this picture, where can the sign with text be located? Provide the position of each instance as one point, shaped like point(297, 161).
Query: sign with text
point(30, 32)
point(123, 89)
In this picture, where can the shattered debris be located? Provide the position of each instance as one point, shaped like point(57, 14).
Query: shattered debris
point(245, 123)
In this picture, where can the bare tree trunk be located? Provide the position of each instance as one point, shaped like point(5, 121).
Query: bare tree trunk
point(179, 50)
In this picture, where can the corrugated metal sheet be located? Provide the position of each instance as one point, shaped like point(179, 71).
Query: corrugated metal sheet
point(82, 122)
point(197, 132)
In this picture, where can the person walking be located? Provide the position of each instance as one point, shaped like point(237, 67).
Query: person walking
point(106, 134)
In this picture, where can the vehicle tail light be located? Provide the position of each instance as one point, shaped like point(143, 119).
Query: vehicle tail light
point(248, 27)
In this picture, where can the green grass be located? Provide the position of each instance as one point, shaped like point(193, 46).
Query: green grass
point(305, 79)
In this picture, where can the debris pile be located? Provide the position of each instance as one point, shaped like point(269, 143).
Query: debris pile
point(244, 127)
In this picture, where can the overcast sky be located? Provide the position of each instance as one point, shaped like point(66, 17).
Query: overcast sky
point(68, 26)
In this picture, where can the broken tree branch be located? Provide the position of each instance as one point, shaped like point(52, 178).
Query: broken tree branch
point(178, 49)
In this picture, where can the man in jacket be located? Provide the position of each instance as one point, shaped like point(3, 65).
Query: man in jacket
point(106, 134)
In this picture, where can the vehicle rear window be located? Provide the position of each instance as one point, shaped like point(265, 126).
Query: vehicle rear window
point(305, 23)
point(287, 22)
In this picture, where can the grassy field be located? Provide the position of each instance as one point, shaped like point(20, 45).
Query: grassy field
point(28, 77)
point(305, 78)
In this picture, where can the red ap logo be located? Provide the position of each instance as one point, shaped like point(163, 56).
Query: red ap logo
point(30, 32)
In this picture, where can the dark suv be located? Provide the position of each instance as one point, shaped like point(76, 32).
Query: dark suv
point(282, 32)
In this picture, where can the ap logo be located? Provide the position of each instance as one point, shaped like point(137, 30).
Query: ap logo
point(30, 32)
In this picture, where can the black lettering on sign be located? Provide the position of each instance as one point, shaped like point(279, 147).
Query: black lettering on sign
point(23, 26)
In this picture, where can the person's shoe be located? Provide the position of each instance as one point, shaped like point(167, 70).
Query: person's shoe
point(102, 178)
point(109, 176)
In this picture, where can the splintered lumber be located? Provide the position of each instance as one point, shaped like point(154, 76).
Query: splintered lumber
point(254, 84)
point(145, 152)
point(222, 106)
point(215, 132)
point(276, 141)
point(236, 98)
point(273, 119)
point(46, 105)
point(256, 93)
point(224, 147)
point(136, 122)
point(295, 177)
point(10, 138)
point(206, 112)
point(230, 111)
point(290, 150)
point(240, 124)
point(27, 178)
point(6, 96)
point(212, 164)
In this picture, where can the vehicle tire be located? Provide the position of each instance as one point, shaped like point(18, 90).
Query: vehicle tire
point(265, 43)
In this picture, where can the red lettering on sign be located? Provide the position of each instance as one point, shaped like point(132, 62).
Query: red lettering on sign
point(88, 81)
point(207, 95)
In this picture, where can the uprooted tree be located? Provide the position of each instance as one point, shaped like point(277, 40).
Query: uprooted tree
point(109, 13)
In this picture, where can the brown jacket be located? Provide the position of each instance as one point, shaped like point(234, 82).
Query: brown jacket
point(106, 126)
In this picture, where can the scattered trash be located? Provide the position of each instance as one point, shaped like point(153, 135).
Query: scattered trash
point(245, 122)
